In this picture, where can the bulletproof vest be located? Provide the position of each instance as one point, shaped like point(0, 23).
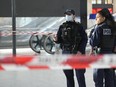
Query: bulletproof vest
point(107, 41)
point(70, 33)
point(71, 36)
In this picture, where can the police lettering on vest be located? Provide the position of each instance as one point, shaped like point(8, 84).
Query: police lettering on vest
point(107, 38)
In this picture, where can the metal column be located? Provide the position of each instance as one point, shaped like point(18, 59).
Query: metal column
point(83, 13)
point(13, 9)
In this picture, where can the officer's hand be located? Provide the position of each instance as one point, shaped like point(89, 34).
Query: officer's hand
point(79, 53)
point(91, 52)
point(54, 37)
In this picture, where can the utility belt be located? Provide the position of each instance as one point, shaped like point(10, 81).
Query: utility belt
point(67, 47)
point(70, 47)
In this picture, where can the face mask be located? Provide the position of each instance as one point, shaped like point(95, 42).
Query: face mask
point(69, 17)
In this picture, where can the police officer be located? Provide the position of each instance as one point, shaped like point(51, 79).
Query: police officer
point(68, 48)
point(103, 38)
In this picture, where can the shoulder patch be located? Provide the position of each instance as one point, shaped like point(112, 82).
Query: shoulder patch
point(106, 31)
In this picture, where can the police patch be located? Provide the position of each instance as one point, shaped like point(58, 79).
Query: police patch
point(106, 31)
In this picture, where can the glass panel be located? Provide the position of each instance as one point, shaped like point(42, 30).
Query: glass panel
point(93, 1)
point(106, 1)
point(109, 1)
point(99, 1)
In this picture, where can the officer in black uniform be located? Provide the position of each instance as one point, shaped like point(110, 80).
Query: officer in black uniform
point(76, 47)
point(103, 38)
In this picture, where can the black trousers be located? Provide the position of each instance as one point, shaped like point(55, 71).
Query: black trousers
point(70, 75)
point(79, 75)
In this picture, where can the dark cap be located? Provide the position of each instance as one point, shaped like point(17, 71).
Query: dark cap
point(69, 11)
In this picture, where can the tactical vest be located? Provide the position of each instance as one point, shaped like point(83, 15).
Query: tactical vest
point(107, 41)
point(70, 35)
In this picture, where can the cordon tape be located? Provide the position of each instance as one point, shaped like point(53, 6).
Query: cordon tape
point(18, 63)
point(10, 33)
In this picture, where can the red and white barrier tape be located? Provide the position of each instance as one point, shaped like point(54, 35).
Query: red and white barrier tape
point(10, 63)
point(9, 33)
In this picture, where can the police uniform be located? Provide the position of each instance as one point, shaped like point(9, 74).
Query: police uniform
point(79, 72)
point(102, 38)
